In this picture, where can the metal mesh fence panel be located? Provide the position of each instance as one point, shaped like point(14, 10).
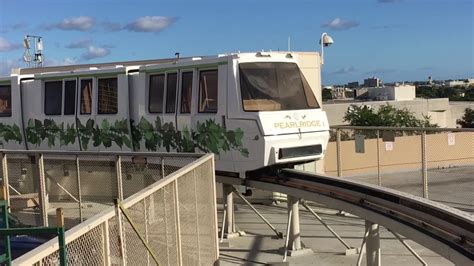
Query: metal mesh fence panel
point(206, 216)
point(99, 186)
point(62, 187)
point(114, 242)
point(135, 251)
point(88, 249)
point(24, 189)
point(162, 225)
point(450, 163)
point(179, 228)
point(138, 172)
point(188, 219)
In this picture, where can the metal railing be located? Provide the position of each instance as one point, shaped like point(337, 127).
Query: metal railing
point(175, 215)
point(439, 161)
point(81, 183)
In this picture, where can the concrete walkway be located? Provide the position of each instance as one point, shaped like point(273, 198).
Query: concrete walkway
point(259, 246)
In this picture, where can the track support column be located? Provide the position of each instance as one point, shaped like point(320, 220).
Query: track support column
point(229, 225)
point(294, 246)
point(373, 244)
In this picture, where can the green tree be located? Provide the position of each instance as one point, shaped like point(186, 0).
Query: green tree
point(467, 121)
point(327, 94)
point(385, 115)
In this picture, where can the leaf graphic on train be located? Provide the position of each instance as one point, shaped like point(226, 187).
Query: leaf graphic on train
point(10, 132)
point(186, 142)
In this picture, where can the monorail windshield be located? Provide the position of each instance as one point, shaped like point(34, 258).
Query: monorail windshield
point(274, 86)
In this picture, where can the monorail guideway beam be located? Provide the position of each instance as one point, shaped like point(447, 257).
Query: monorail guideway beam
point(444, 230)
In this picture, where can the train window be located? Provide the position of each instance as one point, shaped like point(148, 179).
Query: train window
point(155, 93)
point(53, 96)
point(5, 100)
point(69, 97)
point(171, 83)
point(274, 86)
point(86, 96)
point(186, 92)
point(208, 91)
point(107, 96)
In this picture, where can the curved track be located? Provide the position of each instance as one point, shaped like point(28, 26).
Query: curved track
point(440, 228)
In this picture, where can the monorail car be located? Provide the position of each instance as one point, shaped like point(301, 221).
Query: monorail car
point(252, 110)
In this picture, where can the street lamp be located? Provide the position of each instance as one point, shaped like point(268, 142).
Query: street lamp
point(325, 41)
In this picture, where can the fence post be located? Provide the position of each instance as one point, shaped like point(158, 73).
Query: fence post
point(6, 183)
point(145, 220)
point(121, 233)
point(379, 179)
point(106, 239)
point(118, 169)
point(79, 192)
point(43, 195)
point(424, 169)
point(178, 224)
point(338, 152)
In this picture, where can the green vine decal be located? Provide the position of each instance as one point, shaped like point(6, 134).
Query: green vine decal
point(10, 132)
point(106, 134)
point(208, 137)
point(38, 131)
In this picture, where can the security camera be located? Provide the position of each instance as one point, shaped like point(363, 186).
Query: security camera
point(327, 40)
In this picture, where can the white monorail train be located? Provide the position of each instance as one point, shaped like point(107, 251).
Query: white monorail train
point(253, 110)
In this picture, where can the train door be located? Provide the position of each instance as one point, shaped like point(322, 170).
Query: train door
point(103, 113)
point(169, 133)
point(185, 110)
point(209, 123)
point(11, 132)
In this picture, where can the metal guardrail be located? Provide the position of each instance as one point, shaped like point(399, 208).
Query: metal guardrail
point(445, 230)
point(176, 216)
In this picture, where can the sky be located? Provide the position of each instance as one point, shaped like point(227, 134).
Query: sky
point(395, 40)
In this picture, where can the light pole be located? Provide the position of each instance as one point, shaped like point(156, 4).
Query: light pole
point(325, 41)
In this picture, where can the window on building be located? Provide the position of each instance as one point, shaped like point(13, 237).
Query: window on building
point(208, 91)
point(107, 96)
point(5, 100)
point(86, 96)
point(69, 97)
point(155, 93)
point(171, 82)
point(186, 92)
point(53, 93)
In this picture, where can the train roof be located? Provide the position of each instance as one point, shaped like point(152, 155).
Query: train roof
point(139, 64)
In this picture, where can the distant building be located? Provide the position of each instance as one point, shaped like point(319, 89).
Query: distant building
point(373, 82)
point(453, 83)
point(430, 80)
point(393, 93)
point(352, 85)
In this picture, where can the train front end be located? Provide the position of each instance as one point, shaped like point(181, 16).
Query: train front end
point(277, 93)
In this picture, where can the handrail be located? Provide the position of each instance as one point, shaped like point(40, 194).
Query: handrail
point(434, 129)
point(445, 230)
point(103, 153)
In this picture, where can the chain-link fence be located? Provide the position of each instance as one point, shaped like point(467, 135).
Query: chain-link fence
point(176, 216)
point(435, 163)
point(82, 184)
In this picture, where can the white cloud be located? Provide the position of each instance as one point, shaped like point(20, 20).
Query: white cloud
point(344, 70)
point(150, 24)
point(83, 43)
point(340, 24)
point(388, 1)
point(6, 46)
point(95, 52)
point(81, 23)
